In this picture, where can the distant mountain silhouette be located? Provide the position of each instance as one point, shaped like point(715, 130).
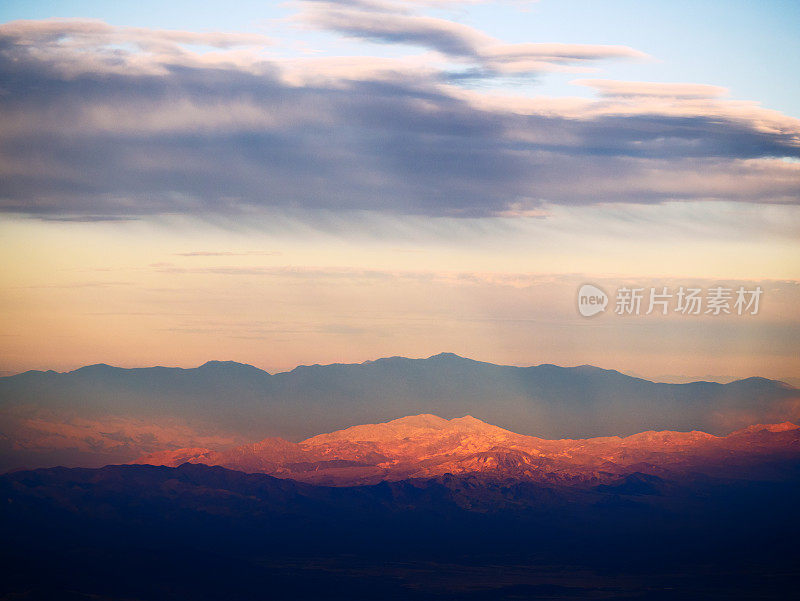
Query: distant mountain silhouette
point(100, 414)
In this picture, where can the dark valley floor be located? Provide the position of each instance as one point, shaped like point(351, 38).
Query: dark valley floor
point(196, 532)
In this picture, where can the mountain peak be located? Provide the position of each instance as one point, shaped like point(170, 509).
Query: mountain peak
point(411, 427)
point(448, 357)
point(423, 420)
point(229, 365)
point(469, 421)
point(403, 427)
point(94, 368)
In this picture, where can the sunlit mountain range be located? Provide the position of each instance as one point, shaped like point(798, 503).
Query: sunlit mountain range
point(428, 446)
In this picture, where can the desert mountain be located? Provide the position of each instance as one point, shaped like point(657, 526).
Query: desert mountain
point(426, 446)
point(204, 533)
point(101, 414)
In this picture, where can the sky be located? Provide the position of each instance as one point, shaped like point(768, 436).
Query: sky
point(319, 181)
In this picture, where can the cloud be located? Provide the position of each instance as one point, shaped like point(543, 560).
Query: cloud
point(73, 285)
point(384, 23)
point(620, 89)
point(208, 253)
point(438, 34)
point(89, 34)
point(86, 218)
point(521, 58)
point(121, 122)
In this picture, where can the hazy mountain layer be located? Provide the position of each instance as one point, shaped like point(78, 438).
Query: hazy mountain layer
point(100, 414)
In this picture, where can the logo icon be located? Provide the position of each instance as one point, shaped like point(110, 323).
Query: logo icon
point(591, 300)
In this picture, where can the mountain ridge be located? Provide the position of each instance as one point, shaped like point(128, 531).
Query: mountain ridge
point(217, 363)
point(426, 446)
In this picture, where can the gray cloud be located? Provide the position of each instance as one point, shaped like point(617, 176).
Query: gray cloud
point(86, 218)
point(384, 23)
point(86, 135)
point(438, 34)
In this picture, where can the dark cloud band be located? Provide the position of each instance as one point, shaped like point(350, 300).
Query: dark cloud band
point(91, 131)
